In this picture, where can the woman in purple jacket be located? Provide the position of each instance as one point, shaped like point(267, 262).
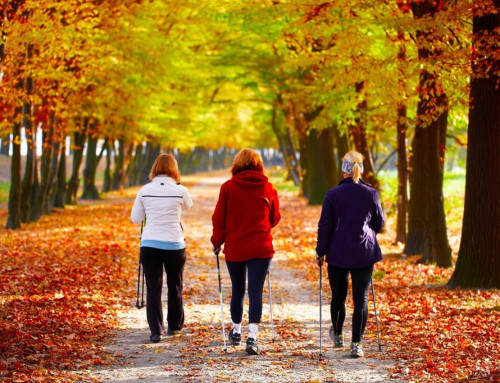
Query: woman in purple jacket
point(350, 219)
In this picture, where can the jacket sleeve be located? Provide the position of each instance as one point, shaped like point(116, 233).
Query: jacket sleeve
point(187, 202)
point(137, 214)
point(219, 219)
point(325, 226)
point(274, 214)
point(378, 219)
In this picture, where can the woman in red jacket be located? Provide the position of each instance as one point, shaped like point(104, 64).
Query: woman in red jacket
point(245, 213)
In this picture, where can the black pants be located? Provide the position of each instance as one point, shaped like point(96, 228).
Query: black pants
point(153, 261)
point(257, 271)
point(339, 280)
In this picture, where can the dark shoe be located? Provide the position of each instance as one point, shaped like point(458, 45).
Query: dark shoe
point(155, 338)
point(252, 348)
point(338, 339)
point(234, 338)
point(171, 332)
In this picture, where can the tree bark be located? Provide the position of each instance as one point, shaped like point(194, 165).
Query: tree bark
point(426, 220)
point(358, 134)
point(89, 172)
point(286, 147)
point(320, 165)
point(60, 192)
point(402, 153)
point(14, 215)
point(30, 180)
point(74, 181)
point(478, 263)
point(106, 185)
point(43, 188)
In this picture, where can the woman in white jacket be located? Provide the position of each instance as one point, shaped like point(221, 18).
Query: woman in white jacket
point(162, 243)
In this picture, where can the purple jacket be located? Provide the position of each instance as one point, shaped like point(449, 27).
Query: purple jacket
point(350, 219)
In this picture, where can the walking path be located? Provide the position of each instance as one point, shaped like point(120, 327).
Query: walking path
point(198, 354)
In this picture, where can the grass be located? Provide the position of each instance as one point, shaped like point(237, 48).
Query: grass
point(4, 191)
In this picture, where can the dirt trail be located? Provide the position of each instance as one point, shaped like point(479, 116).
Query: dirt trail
point(198, 356)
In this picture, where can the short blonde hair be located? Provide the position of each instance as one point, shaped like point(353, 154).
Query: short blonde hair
point(165, 164)
point(247, 159)
point(355, 158)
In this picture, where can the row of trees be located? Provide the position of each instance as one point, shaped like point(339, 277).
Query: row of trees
point(312, 79)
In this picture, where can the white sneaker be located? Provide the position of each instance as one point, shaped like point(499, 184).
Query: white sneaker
point(356, 350)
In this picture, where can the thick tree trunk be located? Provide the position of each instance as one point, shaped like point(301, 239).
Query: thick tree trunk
point(427, 224)
point(14, 216)
point(121, 160)
point(30, 179)
point(478, 263)
point(89, 173)
point(402, 153)
point(402, 198)
point(358, 134)
point(320, 165)
point(152, 151)
point(42, 191)
point(74, 181)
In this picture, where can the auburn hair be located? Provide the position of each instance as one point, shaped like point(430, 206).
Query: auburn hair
point(165, 164)
point(247, 159)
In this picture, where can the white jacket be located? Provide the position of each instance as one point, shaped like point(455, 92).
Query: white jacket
point(161, 202)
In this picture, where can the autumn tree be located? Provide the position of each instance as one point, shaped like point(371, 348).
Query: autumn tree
point(478, 263)
point(427, 224)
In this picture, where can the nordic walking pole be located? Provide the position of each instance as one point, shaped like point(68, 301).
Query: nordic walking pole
point(216, 251)
point(270, 303)
point(320, 263)
point(376, 317)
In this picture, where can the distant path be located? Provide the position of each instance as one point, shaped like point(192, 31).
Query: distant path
point(197, 355)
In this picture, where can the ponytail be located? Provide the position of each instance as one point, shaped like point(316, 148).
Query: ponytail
point(356, 172)
point(352, 164)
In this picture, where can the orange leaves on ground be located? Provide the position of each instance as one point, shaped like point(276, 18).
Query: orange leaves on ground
point(61, 280)
point(435, 333)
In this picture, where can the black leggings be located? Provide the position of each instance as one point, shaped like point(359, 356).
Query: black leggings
point(153, 261)
point(257, 271)
point(339, 280)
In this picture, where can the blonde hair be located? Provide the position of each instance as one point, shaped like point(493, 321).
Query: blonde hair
point(247, 159)
point(355, 158)
point(165, 164)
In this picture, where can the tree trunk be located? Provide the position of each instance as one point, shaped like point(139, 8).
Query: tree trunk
point(320, 165)
point(14, 216)
point(89, 173)
point(120, 166)
point(74, 181)
point(358, 134)
point(342, 147)
point(402, 154)
point(427, 224)
point(106, 185)
point(286, 148)
point(478, 263)
point(30, 179)
point(42, 190)
point(60, 192)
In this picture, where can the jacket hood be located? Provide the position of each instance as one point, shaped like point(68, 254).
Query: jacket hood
point(249, 179)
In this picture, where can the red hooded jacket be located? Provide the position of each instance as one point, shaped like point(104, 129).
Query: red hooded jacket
point(245, 213)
